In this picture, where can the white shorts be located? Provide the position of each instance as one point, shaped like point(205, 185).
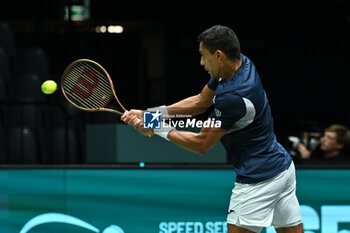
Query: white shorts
point(268, 203)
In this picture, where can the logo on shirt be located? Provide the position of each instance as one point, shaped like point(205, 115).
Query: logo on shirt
point(214, 99)
point(217, 112)
point(151, 120)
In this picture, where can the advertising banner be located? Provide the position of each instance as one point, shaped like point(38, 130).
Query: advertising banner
point(152, 200)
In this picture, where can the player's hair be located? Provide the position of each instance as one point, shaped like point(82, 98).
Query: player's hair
point(222, 38)
point(343, 134)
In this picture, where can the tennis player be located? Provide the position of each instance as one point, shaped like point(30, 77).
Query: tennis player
point(264, 193)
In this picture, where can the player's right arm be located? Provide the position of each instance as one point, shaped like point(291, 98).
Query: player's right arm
point(193, 105)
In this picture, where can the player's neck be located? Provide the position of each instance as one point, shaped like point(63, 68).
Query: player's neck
point(230, 68)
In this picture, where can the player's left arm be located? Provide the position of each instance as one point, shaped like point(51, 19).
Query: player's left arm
point(229, 108)
point(197, 142)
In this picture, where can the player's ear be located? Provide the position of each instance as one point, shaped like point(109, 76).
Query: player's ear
point(219, 54)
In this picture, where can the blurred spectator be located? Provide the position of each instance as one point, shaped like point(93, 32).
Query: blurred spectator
point(333, 145)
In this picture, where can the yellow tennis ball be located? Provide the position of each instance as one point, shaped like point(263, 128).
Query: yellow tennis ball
point(49, 87)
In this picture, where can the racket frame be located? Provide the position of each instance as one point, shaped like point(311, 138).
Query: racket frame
point(102, 108)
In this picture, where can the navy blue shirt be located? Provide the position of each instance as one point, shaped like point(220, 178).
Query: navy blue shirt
point(242, 107)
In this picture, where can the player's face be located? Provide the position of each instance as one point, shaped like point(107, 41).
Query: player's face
point(209, 61)
point(329, 142)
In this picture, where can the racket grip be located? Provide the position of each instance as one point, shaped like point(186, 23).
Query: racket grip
point(138, 120)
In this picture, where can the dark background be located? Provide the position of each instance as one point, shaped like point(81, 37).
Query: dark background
point(300, 48)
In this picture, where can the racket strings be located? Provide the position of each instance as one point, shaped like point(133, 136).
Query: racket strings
point(106, 89)
point(85, 102)
point(87, 86)
point(88, 102)
point(88, 69)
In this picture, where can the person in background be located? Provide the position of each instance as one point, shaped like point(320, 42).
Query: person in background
point(335, 140)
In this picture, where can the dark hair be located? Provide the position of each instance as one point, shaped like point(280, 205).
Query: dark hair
point(343, 134)
point(221, 38)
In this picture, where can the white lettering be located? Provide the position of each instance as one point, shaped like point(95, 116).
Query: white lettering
point(217, 124)
point(190, 123)
point(199, 124)
point(206, 124)
point(174, 123)
point(181, 124)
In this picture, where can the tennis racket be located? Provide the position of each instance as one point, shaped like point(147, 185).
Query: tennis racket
point(88, 86)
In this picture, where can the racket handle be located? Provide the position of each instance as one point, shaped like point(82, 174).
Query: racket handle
point(138, 120)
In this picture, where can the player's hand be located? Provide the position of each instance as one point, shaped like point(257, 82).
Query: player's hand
point(135, 119)
point(132, 117)
point(138, 113)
